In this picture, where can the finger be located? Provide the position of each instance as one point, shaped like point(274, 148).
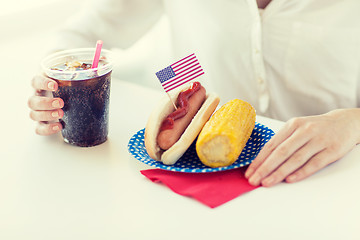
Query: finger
point(44, 103)
point(296, 161)
point(319, 161)
point(50, 115)
point(41, 82)
point(269, 147)
point(46, 129)
point(278, 156)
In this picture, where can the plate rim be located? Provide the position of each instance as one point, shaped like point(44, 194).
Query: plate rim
point(159, 165)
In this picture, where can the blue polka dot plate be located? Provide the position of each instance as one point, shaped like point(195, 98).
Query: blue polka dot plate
point(190, 162)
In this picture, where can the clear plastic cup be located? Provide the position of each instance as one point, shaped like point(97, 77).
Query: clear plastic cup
point(86, 94)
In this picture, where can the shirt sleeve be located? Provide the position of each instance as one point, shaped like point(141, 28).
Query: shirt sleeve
point(119, 23)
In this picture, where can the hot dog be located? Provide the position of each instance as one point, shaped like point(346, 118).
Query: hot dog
point(189, 102)
point(170, 132)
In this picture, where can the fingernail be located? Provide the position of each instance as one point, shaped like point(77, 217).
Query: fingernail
point(268, 181)
point(56, 104)
point(56, 128)
point(55, 114)
point(51, 85)
point(254, 180)
point(248, 172)
point(291, 178)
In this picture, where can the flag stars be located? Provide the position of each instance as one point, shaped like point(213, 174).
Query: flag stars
point(165, 74)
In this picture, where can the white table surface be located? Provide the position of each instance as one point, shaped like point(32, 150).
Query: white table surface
point(51, 190)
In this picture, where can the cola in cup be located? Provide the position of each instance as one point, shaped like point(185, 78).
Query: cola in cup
point(86, 94)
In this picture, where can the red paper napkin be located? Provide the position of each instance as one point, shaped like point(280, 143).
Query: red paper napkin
point(212, 189)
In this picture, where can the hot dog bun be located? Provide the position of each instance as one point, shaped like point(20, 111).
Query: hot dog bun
point(161, 111)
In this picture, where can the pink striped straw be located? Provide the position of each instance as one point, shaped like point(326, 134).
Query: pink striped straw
point(95, 63)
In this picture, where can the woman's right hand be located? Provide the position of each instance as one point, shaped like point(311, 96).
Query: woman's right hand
point(45, 109)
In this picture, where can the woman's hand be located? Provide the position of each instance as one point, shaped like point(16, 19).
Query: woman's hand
point(305, 145)
point(45, 110)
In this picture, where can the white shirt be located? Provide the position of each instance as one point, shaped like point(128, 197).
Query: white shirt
point(297, 58)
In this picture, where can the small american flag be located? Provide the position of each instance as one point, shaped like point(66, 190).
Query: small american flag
point(180, 72)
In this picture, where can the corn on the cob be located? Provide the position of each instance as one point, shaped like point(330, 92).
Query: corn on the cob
point(224, 136)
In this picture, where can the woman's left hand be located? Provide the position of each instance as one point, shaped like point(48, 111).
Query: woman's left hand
point(305, 145)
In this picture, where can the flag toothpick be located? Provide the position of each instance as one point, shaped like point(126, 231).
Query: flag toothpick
point(173, 103)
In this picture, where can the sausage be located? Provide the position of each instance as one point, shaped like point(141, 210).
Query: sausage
point(168, 137)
